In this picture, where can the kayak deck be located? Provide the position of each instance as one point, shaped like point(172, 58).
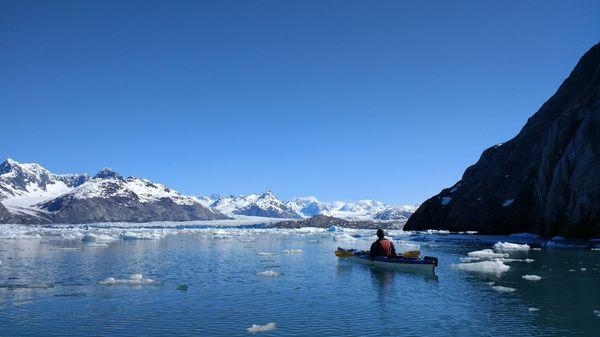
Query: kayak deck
point(426, 263)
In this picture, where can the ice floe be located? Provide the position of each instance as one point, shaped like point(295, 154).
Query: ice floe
point(256, 328)
point(531, 277)
point(504, 289)
point(533, 309)
point(508, 246)
point(266, 253)
point(93, 237)
point(597, 313)
point(292, 251)
point(495, 266)
point(269, 273)
point(486, 254)
point(135, 279)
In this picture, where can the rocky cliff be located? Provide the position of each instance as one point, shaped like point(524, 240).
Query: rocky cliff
point(546, 180)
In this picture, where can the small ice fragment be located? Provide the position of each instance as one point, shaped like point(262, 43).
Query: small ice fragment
point(491, 283)
point(510, 246)
point(529, 260)
point(571, 270)
point(293, 251)
point(108, 281)
point(503, 289)
point(255, 328)
point(597, 313)
point(583, 269)
point(485, 267)
point(531, 277)
point(507, 202)
point(136, 277)
point(266, 253)
point(534, 309)
point(486, 254)
point(269, 273)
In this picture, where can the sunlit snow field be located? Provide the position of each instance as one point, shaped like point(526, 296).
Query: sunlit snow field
point(210, 279)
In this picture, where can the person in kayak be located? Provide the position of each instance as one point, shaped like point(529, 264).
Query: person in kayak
point(382, 247)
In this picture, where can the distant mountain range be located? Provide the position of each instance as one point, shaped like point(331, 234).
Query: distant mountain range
point(31, 194)
point(268, 205)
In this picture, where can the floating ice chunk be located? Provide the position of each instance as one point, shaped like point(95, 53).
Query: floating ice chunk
point(292, 251)
point(507, 202)
point(256, 328)
point(534, 309)
point(92, 237)
point(344, 237)
point(335, 229)
point(129, 235)
point(510, 246)
point(108, 281)
point(446, 200)
point(597, 313)
point(571, 270)
point(531, 277)
point(269, 273)
point(529, 260)
point(583, 269)
point(135, 279)
point(486, 267)
point(486, 254)
point(491, 283)
point(266, 253)
point(504, 289)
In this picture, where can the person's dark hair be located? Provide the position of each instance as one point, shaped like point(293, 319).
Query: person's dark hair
point(380, 233)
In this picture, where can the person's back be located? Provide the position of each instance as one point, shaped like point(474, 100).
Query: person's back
point(382, 247)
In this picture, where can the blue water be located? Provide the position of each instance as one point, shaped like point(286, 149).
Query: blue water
point(49, 287)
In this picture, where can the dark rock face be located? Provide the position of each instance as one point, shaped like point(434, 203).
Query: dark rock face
point(68, 209)
point(546, 180)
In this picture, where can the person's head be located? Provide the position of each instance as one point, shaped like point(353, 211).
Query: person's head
point(380, 233)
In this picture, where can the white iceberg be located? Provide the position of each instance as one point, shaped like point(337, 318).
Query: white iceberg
point(531, 277)
point(486, 254)
point(504, 289)
point(269, 273)
point(133, 280)
point(504, 246)
point(486, 267)
point(255, 328)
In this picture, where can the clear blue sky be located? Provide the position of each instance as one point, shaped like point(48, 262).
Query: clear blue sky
point(388, 100)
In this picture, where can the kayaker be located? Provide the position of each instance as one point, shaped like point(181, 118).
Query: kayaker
point(382, 247)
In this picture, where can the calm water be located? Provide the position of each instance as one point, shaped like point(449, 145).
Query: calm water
point(49, 287)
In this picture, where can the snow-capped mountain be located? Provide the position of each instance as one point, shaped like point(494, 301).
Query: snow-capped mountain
point(395, 213)
point(264, 205)
point(31, 193)
point(22, 186)
point(268, 205)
